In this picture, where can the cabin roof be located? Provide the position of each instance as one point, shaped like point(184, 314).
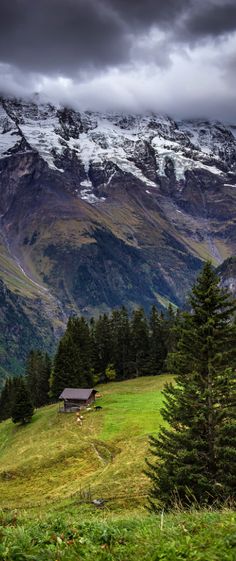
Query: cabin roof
point(82, 394)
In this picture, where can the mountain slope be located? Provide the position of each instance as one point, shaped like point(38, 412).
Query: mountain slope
point(22, 327)
point(103, 210)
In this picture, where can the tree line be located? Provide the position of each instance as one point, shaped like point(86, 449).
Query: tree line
point(20, 395)
point(115, 347)
point(112, 347)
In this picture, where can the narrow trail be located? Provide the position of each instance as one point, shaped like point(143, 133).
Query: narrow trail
point(98, 454)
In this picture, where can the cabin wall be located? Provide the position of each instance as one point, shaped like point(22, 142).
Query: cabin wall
point(76, 405)
point(91, 399)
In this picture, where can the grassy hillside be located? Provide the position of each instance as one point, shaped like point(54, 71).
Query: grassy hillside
point(45, 467)
point(53, 458)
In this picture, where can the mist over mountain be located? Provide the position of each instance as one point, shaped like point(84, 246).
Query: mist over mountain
point(167, 56)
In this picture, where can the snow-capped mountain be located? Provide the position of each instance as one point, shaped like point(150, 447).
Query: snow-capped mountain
point(147, 147)
point(100, 210)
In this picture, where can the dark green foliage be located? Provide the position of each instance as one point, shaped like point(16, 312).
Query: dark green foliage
point(37, 377)
point(89, 351)
point(195, 459)
point(22, 409)
point(132, 346)
point(5, 400)
point(121, 342)
point(73, 360)
point(139, 343)
point(38, 370)
point(158, 344)
point(110, 373)
point(102, 345)
point(7, 397)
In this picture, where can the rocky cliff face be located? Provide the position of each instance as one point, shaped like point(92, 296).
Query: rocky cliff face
point(227, 273)
point(103, 210)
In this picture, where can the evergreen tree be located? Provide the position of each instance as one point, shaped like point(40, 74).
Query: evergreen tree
point(102, 346)
point(43, 382)
point(7, 397)
point(73, 359)
point(195, 458)
point(139, 343)
point(110, 373)
point(22, 410)
point(38, 369)
point(120, 339)
point(171, 331)
point(31, 373)
point(157, 343)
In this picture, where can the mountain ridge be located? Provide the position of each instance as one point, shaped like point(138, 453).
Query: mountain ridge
point(100, 210)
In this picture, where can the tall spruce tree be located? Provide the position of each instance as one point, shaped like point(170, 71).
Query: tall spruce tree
point(37, 373)
point(7, 397)
point(139, 343)
point(22, 409)
point(157, 342)
point(120, 339)
point(195, 457)
point(73, 359)
point(102, 346)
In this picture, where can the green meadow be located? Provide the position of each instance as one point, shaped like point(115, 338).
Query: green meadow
point(51, 470)
point(53, 457)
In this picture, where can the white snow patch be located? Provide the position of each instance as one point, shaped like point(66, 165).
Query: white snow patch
point(86, 183)
point(171, 149)
point(43, 137)
point(9, 133)
point(130, 167)
point(108, 142)
point(87, 194)
point(90, 197)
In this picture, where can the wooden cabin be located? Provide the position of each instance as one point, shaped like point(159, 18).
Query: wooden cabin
point(76, 398)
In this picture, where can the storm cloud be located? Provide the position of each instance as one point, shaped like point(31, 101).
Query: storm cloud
point(98, 52)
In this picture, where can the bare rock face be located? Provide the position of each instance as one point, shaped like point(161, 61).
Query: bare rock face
point(227, 273)
point(100, 210)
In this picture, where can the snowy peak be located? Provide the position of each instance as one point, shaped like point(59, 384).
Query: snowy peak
point(151, 149)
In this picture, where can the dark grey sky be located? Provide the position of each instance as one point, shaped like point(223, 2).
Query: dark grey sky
point(176, 56)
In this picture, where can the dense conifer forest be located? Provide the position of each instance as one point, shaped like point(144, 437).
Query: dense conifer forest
point(113, 347)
